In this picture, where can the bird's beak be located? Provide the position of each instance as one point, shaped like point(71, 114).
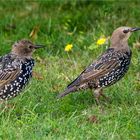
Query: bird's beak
point(134, 29)
point(39, 46)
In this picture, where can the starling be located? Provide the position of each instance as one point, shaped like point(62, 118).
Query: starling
point(110, 67)
point(16, 68)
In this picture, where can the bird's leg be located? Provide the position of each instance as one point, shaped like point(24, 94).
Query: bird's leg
point(97, 94)
point(101, 94)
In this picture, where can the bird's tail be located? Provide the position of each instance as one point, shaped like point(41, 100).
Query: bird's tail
point(67, 91)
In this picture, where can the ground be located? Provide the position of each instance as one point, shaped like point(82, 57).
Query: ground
point(37, 114)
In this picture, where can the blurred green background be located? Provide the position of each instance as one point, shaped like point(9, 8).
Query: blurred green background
point(37, 114)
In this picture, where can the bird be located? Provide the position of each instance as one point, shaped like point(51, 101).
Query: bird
point(108, 68)
point(16, 68)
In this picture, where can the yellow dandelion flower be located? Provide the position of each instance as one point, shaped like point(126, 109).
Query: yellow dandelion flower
point(101, 41)
point(68, 47)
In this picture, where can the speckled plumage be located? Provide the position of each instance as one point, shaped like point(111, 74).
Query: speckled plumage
point(22, 70)
point(110, 67)
point(15, 69)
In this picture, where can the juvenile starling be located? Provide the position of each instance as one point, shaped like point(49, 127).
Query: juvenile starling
point(110, 67)
point(16, 68)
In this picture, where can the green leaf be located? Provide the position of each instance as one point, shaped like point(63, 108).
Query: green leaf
point(93, 46)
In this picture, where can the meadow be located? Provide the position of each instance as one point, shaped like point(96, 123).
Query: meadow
point(37, 114)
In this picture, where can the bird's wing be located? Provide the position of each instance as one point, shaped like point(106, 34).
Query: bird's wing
point(100, 67)
point(7, 73)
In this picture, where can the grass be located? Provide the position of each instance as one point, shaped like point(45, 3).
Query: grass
point(36, 113)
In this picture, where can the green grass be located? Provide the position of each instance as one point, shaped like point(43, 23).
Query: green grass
point(36, 113)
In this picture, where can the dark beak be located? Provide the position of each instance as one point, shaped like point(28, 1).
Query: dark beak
point(39, 46)
point(134, 29)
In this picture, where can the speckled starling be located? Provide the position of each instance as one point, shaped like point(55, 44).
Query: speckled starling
point(16, 68)
point(110, 67)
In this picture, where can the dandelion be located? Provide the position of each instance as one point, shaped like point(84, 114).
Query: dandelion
point(101, 41)
point(68, 47)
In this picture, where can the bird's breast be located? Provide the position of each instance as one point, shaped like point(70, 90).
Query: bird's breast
point(115, 74)
point(13, 88)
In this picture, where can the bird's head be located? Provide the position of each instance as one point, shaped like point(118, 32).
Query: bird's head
point(121, 35)
point(24, 48)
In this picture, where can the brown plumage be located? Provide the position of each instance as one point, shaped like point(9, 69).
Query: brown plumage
point(16, 69)
point(110, 67)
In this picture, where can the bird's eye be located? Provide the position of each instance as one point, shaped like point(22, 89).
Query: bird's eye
point(30, 47)
point(126, 31)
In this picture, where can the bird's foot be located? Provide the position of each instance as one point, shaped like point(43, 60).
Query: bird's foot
point(97, 97)
point(97, 101)
point(97, 94)
point(105, 97)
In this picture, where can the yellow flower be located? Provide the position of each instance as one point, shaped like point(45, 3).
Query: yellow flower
point(68, 47)
point(101, 41)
